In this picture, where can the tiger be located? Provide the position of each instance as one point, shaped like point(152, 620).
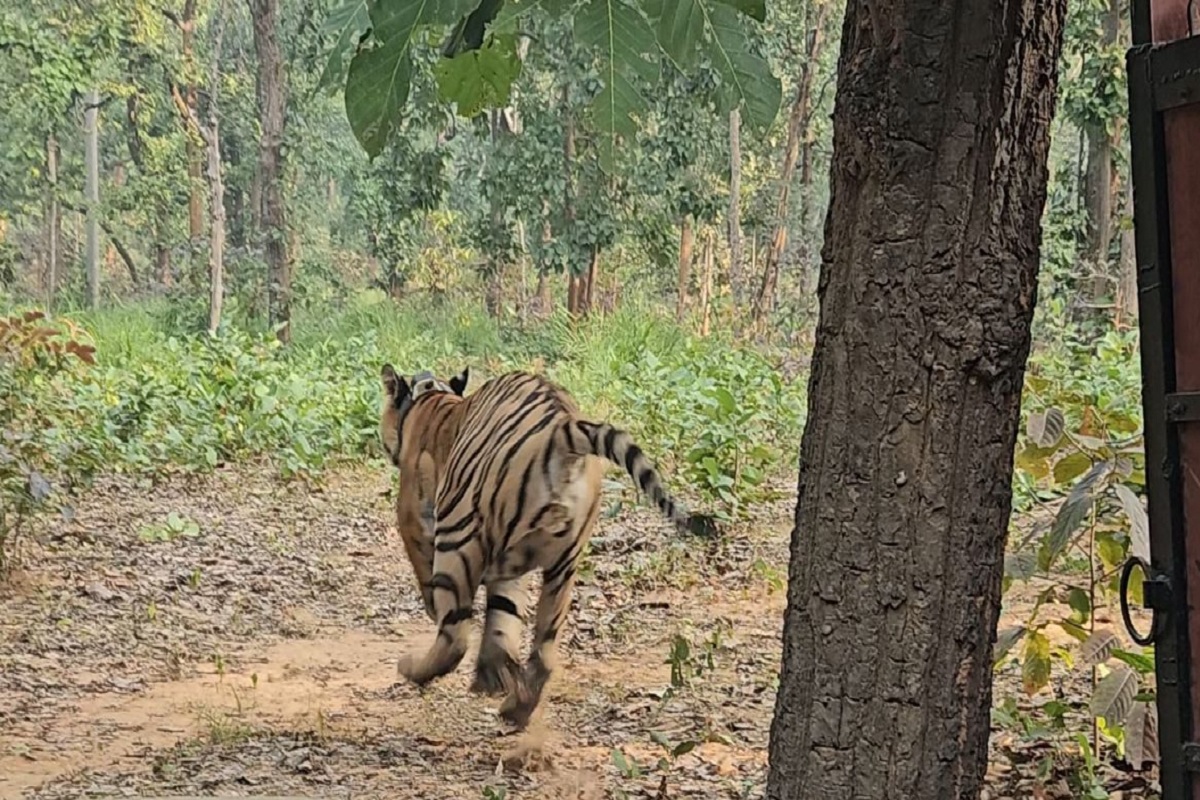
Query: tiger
point(515, 475)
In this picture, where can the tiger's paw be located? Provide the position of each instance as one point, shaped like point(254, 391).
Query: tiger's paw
point(518, 708)
point(495, 676)
point(407, 667)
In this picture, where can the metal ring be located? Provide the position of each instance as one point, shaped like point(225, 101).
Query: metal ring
point(1123, 593)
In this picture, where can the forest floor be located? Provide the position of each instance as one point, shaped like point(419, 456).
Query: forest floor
point(258, 657)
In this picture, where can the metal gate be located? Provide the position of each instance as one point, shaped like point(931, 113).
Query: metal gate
point(1164, 117)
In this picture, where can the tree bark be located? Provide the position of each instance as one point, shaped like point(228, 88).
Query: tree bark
point(569, 194)
point(734, 216)
point(194, 152)
point(686, 246)
point(927, 289)
point(91, 195)
point(1099, 184)
point(1127, 291)
point(272, 107)
point(53, 223)
point(706, 279)
point(216, 183)
point(798, 122)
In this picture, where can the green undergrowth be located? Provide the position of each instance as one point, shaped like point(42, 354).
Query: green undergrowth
point(716, 417)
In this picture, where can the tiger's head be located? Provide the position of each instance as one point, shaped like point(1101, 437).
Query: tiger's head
point(400, 399)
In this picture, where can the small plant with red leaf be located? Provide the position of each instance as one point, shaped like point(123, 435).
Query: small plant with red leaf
point(41, 362)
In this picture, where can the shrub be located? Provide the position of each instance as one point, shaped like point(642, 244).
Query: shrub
point(41, 456)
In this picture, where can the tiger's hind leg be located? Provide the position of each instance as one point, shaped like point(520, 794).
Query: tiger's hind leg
point(457, 568)
point(554, 603)
point(499, 661)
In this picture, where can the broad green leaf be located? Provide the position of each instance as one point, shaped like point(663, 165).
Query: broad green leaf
point(1114, 695)
point(512, 10)
point(683, 748)
point(755, 9)
point(1005, 641)
point(1035, 662)
point(1070, 516)
point(1139, 661)
point(376, 90)
point(1073, 629)
point(1071, 467)
point(1035, 460)
point(746, 79)
point(479, 79)
point(349, 20)
point(680, 28)
point(1139, 523)
point(623, 41)
point(1110, 550)
point(1080, 603)
point(380, 75)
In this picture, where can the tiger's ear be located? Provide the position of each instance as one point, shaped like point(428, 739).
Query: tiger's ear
point(396, 387)
point(458, 384)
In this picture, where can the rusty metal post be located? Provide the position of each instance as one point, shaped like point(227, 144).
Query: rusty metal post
point(1164, 110)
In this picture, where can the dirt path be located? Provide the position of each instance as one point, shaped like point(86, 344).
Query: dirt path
point(257, 656)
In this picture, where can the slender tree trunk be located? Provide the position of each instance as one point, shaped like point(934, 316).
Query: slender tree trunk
point(272, 106)
point(734, 216)
point(589, 282)
point(1127, 291)
point(569, 194)
point(706, 280)
point(544, 294)
point(545, 297)
point(53, 223)
point(209, 134)
point(256, 202)
point(162, 251)
point(927, 292)
point(194, 150)
point(216, 183)
point(798, 122)
point(92, 194)
point(1099, 185)
point(686, 245)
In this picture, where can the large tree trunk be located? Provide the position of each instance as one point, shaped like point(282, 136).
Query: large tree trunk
point(734, 217)
point(928, 280)
point(798, 122)
point(272, 107)
point(91, 194)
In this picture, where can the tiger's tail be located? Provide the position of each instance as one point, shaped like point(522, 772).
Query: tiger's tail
point(616, 445)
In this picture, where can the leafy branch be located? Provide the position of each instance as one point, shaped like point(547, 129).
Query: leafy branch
point(374, 43)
